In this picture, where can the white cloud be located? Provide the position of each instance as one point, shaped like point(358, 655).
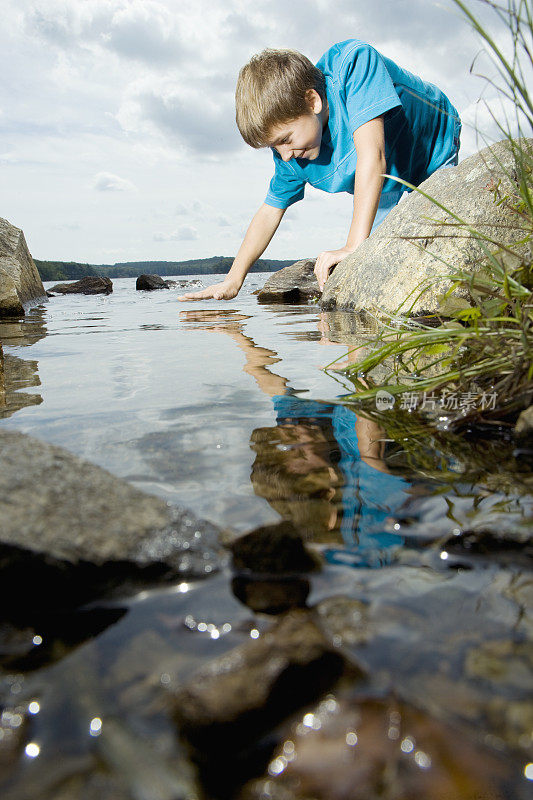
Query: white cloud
point(145, 87)
point(107, 182)
point(189, 115)
point(185, 233)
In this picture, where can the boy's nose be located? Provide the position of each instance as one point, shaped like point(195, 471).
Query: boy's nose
point(285, 152)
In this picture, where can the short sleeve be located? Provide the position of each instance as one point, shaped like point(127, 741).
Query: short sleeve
point(368, 88)
point(286, 187)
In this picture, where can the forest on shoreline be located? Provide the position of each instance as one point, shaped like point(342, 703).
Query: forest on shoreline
point(72, 270)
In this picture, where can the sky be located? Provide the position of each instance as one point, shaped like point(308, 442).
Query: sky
point(118, 139)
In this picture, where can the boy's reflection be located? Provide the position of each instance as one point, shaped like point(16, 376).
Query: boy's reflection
point(320, 466)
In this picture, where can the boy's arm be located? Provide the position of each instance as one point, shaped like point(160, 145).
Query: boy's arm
point(369, 140)
point(260, 231)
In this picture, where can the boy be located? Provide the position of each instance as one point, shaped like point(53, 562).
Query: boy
point(339, 125)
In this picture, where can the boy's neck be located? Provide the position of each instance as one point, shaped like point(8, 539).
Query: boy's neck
point(325, 114)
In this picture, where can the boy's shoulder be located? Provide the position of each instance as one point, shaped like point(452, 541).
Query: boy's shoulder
point(340, 55)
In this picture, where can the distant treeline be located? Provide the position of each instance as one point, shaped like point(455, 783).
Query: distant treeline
point(71, 270)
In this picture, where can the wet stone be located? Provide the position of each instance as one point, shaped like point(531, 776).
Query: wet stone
point(349, 750)
point(88, 285)
point(72, 529)
point(274, 549)
point(13, 725)
point(453, 641)
point(149, 283)
point(21, 287)
point(524, 425)
point(502, 661)
point(271, 595)
point(235, 699)
point(296, 283)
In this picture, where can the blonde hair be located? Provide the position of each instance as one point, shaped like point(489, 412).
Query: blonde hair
point(271, 90)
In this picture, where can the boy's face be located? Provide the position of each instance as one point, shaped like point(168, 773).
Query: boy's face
point(300, 137)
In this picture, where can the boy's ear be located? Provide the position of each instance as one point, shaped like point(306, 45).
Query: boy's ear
point(314, 101)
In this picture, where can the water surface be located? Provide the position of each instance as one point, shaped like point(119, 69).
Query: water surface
point(225, 408)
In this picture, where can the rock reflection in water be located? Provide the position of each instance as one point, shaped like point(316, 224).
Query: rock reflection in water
point(15, 333)
point(20, 373)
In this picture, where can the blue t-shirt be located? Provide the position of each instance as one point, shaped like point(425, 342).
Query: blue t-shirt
point(421, 125)
point(369, 496)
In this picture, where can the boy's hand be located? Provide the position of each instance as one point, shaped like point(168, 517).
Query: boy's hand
point(218, 291)
point(326, 261)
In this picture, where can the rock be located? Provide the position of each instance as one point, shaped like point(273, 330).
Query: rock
point(453, 640)
point(148, 283)
point(385, 271)
point(524, 424)
point(276, 549)
point(14, 725)
point(294, 284)
point(271, 595)
point(90, 284)
point(2, 379)
point(356, 750)
point(501, 661)
point(234, 699)
point(188, 284)
point(269, 562)
point(21, 287)
point(68, 526)
point(146, 771)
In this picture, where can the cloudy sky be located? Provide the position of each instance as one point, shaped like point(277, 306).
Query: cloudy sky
point(117, 132)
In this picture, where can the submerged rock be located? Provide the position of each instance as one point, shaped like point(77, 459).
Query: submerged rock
point(90, 284)
point(148, 283)
point(294, 284)
point(418, 241)
point(269, 562)
point(455, 641)
point(70, 528)
point(21, 287)
point(276, 549)
point(357, 750)
point(524, 424)
point(236, 698)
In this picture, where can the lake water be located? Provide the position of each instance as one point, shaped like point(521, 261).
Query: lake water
point(225, 408)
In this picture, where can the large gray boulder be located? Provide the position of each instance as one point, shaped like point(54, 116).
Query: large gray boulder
point(419, 242)
point(2, 379)
point(66, 525)
point(21, 287)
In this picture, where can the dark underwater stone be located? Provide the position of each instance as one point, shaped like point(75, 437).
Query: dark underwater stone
point(148, 283)
point(91, 284)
